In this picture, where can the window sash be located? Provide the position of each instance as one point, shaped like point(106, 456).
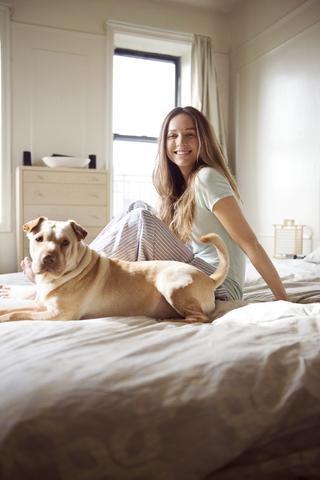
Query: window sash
point(160, 57)
point(130, 186)
point(137, 37)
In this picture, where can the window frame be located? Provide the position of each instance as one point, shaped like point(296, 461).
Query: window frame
point(5, 112)
point(147, 39)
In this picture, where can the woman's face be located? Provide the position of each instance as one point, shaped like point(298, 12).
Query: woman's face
point(182, 143)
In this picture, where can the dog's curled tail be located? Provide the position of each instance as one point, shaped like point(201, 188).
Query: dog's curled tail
point(220, 274)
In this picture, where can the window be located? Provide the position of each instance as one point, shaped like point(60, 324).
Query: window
point(5, 151)
point(145, 89)
point(124, 140)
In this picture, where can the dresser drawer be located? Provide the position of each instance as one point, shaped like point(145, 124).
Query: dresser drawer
point(67, 194)
point(46, 175)
point(89, 216)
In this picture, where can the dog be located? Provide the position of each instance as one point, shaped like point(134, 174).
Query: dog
point(75, 282)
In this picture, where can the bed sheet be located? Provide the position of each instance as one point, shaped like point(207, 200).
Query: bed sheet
point(133, 398)
point(301, 280)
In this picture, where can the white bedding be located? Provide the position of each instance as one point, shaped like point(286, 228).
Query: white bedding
point(301, 279)
point(133, 398)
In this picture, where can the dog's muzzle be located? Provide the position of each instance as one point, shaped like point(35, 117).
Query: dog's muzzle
point(48, 259)
point(49, 262)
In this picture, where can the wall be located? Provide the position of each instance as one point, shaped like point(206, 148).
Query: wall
point(271, 110)
point(89, 16)
point(59, 75)
point(274, 124)
point(256, 16)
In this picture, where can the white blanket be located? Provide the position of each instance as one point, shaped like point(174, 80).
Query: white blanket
point(133, 398)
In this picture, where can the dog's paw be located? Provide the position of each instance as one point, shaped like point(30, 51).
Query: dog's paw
point(7, 316)
point(20, 292)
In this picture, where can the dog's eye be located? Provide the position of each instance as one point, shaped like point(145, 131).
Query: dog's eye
point(39, 239)
point(65, 242)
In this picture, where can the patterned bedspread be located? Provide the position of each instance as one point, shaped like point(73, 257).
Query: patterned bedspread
point(133, 398)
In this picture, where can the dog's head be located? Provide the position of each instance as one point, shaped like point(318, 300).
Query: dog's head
point(54, 246)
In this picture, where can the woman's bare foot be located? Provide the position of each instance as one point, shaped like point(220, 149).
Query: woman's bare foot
point(21, 292)
point(26, 266)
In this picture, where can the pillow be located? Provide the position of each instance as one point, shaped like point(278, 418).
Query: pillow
point(313, 257)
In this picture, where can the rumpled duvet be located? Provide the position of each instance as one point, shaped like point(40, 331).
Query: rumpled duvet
point(134, 398)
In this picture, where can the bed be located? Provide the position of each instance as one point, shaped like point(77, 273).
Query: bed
point(133, 398)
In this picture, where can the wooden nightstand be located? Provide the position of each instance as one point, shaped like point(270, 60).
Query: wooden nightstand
point(61, 194)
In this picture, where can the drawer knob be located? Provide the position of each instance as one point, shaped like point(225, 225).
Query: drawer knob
point(38, 193)
point(93, 194)
point(38, 176)
point(93, 178)
point(93, 215)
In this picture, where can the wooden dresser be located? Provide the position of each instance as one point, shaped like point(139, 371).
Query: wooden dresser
point(61, 194)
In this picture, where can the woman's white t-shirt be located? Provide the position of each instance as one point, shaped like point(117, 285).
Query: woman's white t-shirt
point(212, 187)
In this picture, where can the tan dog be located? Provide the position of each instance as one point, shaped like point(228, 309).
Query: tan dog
point(74, 282)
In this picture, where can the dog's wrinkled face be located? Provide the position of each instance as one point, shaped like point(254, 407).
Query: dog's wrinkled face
point(54, 246)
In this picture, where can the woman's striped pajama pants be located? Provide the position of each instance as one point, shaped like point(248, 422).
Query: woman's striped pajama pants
point(136, 234)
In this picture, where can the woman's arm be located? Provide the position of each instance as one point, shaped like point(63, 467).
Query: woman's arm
point(230, 215)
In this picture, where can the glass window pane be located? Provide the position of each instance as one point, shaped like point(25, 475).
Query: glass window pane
point(143, 94)
point(133, 164)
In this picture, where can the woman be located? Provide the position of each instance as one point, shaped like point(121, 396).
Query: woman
point(197, 195)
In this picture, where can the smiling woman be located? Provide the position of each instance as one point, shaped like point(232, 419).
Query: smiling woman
point(198, 195)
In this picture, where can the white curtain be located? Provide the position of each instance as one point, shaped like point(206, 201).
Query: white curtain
point(205, 94)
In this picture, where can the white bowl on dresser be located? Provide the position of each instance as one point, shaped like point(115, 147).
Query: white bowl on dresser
point(65, 162)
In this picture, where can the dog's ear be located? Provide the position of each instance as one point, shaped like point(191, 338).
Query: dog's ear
point(28, 227)
point(79, 231)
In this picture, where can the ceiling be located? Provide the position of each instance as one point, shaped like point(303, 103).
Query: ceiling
point(220, 6)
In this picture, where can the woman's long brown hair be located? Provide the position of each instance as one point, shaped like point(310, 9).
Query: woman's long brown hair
point(176, 196)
